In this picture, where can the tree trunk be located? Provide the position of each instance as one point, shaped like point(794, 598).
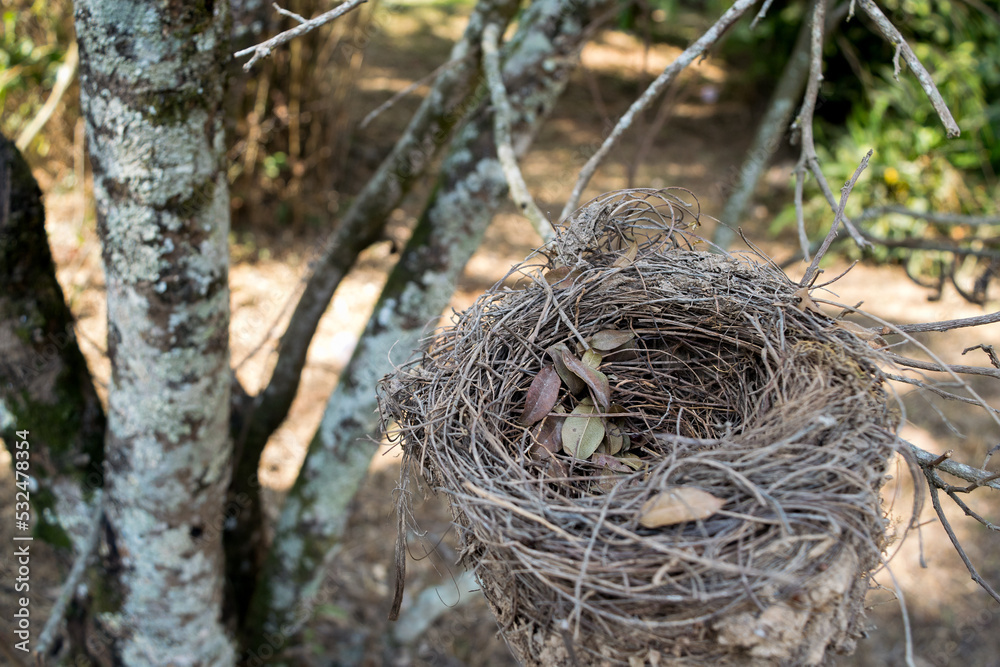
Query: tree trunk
point(152, 84)
point(258, 417)
point(470, 189)
point(45, 386)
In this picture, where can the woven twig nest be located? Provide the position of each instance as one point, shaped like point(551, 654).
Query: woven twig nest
point(655, 453)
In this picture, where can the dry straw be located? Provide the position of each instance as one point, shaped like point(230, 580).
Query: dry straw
point(730, 404)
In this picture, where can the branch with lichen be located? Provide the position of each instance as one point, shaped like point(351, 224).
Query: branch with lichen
point(502, 114)
point(265, 48)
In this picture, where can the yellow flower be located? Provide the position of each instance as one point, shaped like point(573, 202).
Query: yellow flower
point(891, 176)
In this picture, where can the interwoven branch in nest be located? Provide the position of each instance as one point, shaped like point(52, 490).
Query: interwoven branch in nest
point(731, 382)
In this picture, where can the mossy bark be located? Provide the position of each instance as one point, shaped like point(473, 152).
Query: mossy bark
point(152, 84)
point(470, 189)
point(45, 386)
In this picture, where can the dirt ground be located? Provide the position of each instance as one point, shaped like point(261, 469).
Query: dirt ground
point(953, 622)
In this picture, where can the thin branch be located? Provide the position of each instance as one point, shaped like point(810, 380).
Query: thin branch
point(930, 244)
point(859, 239)
point(927, 366)
point(945, 325)
point(936, 501)
point(761, 14)
point(962, 471)
point(382, 108)
point(501, 130)
point(67, 71)
point(929, 216)
point(289, 14)
point(894, 37)
point(264, 49)
point(73, 580)
point(845, 192)
point(696, 50)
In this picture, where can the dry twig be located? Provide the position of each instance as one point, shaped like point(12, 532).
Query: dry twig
point(690, 54)
point(264, 49)
point(501, 136)
point(894, 37)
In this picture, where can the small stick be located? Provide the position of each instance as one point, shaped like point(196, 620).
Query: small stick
point(711, 36)
point(75, 574)
point(954, 539)
point(944, 325)
point(845, 192)
point(380, 109)
point(502, 114)
point(264, 49)
point(894, 37)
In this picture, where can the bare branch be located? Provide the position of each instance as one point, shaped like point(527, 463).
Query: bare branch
point(933, 484)
point(894, 37)
point(968, 473)
point(264, 49)
point(929, 216)
point(67, 71)
point(696, 50)
point(502, 114)
point(72, 581)
point(382, 108)
point(845, 192)
point(945, 325)
point(954, 368)
point(932, 244)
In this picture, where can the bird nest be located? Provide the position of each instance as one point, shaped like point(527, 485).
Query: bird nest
point(655, 453)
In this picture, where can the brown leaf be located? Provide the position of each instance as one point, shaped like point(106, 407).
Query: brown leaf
point(595, 379)
point(582, 432)
point(870, 336)
point(542, 396)
point(806, 303)
point(610, 339)
point(678, 504)
point(548, 433)
point(610, 463)
point(569, 378)
point(628, 257)
point(562, 276)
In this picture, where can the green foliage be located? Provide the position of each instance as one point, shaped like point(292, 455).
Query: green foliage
point(915, 165)
point(33, 42)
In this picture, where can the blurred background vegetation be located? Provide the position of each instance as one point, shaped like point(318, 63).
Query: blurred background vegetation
point(294, 149)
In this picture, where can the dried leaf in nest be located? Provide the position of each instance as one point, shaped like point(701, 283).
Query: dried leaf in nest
point(595, 379)
point(542, 396)
point(569, 378)
point(547, 434)
point(608, 340)
point(678, 504)
point(561, 276)
point(582, 431)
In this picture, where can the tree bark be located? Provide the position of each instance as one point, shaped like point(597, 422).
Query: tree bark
point(255, 419)
point(472, 186)
point(152, 84)
point(45, 386)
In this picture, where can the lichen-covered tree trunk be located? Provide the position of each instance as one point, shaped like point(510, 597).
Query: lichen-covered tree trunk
point(255, 419)
point(152, 83)
point(471, 187)
point(46, 391)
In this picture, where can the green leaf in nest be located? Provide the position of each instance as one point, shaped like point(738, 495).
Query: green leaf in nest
point(582, 431)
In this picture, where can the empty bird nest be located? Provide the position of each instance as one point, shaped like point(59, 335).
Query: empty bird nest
point(655, 454)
